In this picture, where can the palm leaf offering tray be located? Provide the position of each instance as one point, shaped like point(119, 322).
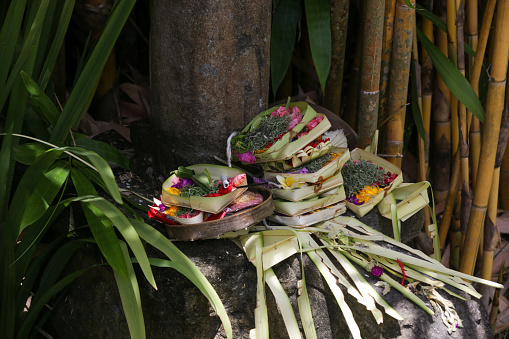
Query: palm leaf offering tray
point(368, 178)
point(310, 218)
point(205, 187)
point(267, 136)
point(300, 207)
point(408, 198)
point(294, 190)
point(306, 173)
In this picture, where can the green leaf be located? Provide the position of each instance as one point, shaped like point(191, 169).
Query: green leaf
point(104, 235)
point(318, 21)
point(42, 103)
point(282, 39)
point(452, 77)
point(416, 111)
point(130, 297)
point(42, 300)
point(128, 232)
point(102, 168)
point(83, 91)
point(51, 58)
point(186, 267)
point(28, 153)
point(45, 192)
point(106, 151)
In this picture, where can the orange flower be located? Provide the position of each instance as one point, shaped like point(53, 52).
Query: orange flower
point(172, 190)
point(367, 193)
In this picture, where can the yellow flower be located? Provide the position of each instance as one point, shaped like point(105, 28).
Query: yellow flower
point(367, 193)
point(290, 182)
point(171, 210)
point(172, 190)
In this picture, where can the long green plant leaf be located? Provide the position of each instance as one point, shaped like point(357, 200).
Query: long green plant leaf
point(45, 192)
point(282, 39)
point(9, 36)
point(452, 77)
point(128, 232)
point(101, 227)
point(130, 297)
point(102, 168)
point(159, 241)
point(82, 92)
point(51, 58)
point(37, 306)
point(318, 21)
point(42, 103)
point(106, 151)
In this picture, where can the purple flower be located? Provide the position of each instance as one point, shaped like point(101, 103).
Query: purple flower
point(353, 199)
point(303, 170)
point(246, 157)
point(183, 182)
point(261, 181)
point(377, 271)
point(162, 207)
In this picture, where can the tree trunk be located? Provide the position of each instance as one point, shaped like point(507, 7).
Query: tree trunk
point(209, 74)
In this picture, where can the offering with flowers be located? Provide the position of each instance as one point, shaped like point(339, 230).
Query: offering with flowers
point(367, 179)
point(268, 135)
point(208, 188)
point(311, 217)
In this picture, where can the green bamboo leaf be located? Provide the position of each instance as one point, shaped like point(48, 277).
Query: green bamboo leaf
point(452, 77)
point(128, 232)
point(416, 111)
point(103, 233)
point(83, 91)
point(106, 151)
point(45, 192)
point(42, 103)
point(130, 297)
point(35, 123)
point(282, 39)
point(51, 58)
point(318, 21)
point(102, 168)
point(159, 241)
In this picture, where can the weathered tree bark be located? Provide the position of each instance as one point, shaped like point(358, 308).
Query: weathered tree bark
point(209, 74)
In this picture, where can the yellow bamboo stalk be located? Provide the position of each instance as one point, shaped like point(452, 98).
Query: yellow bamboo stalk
point(370, 71)
point(339, 25)
point(494, 106)
point(451, 34)
point(390, 11)
point(441, 147)
point(504, 181)
point(475, 132)
point(455, 235)
point(398, 87)
point(472, 29)
point(451, 197)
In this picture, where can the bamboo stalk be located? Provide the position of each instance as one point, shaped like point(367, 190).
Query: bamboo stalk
point(491, 233)
point(494, 106)
point(390, 11)
point(472, 29)
point(398, 85)
point(504, 181)
point(451, 35)
point(339, 25)
point(455, 235)
point(496, 299)
point(370, 71)
point(451, 197)
point(475, 132)
point(441, 161)
point(350, 113)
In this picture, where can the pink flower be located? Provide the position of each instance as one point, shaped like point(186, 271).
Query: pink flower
point(280, 112)
point(301, 134)
point(295, 118)
point(313, 123)
point(246, 157)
